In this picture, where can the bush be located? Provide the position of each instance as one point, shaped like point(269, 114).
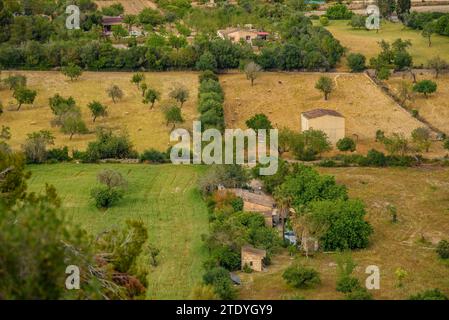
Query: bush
point(301, 277)
point(227, 258)
point(356, 62)
point(434, 294)
point(443, 249)
point(106, 197)
point(347, 284)
point(220, 279)
point(359, 294)
point(237, 204)
point(110, 146)
point(339, 12)
point(58, 154)
point(324, 21)
point(210, 85)
point(346, 144)
point(208, 75)
point(153, 156)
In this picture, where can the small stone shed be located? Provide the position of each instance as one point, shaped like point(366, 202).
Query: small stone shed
point(253, 257)
point(329, 121)
point(258, 202)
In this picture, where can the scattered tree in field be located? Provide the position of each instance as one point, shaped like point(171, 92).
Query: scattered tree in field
point(15, 81)
point(443, 249)
point(24, 95)
point(356, 62)
point(301, 277)
point(357, 21)
point(346, 144)
point(180, 93)
point(35, 147)
point(115, 93)
point(137, 78)
point(325, 85)
point(111, 178)
point(72, 123)
point(428, 31)
point(421, 138)
point(72, 71)
point(97, 110)
point(425, 87)
point(309, 144)
point(286, 139)
point(437, 64)
point(173, 115)
point(259, 121)
point(252, 71)
point(143, 88)
point(405, 91)
point(151, 96)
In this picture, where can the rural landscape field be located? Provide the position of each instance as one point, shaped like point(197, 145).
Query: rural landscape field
point(109, 191)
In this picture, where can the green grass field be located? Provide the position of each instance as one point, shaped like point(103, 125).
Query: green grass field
point(366, 42)
point(164, 197)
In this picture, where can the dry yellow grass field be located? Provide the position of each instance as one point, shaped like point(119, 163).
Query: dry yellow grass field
point(131, 6)
point(421, 197)
point(146, 128)
point(283, 96)
point(435, 108)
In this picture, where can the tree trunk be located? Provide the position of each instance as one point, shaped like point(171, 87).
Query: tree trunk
point(95, 118)
point(71, 136)
point(152, 105)
point(18, 108)
point(252, 82)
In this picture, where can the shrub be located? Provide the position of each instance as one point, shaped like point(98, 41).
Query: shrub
point(443, 249)
point(58, 154)
point(153, 156)
point(338, 12)
point(109, 146)
point(376, 158)
point(106, 197)
point(208, 75)
point(324, 21)
point(299, 276)
point(210, 85)
point(227, 258)
point(220, 279)
point(237, 204)
point(434, 294)
point(346, 144)
point(347, 284)
point(35, 147)
point(359, 294)
point(356, 62)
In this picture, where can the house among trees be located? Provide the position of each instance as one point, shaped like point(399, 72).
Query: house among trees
point(108, 22)
point(331, 122)
point(247, 34)
point(253, 258)
point(259, 202)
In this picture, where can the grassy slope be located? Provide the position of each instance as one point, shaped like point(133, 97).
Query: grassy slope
point(146, 128)
point(365, 107)
point(421, 197)
point(435, 108)
point(366, 42)
point(163, 196)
